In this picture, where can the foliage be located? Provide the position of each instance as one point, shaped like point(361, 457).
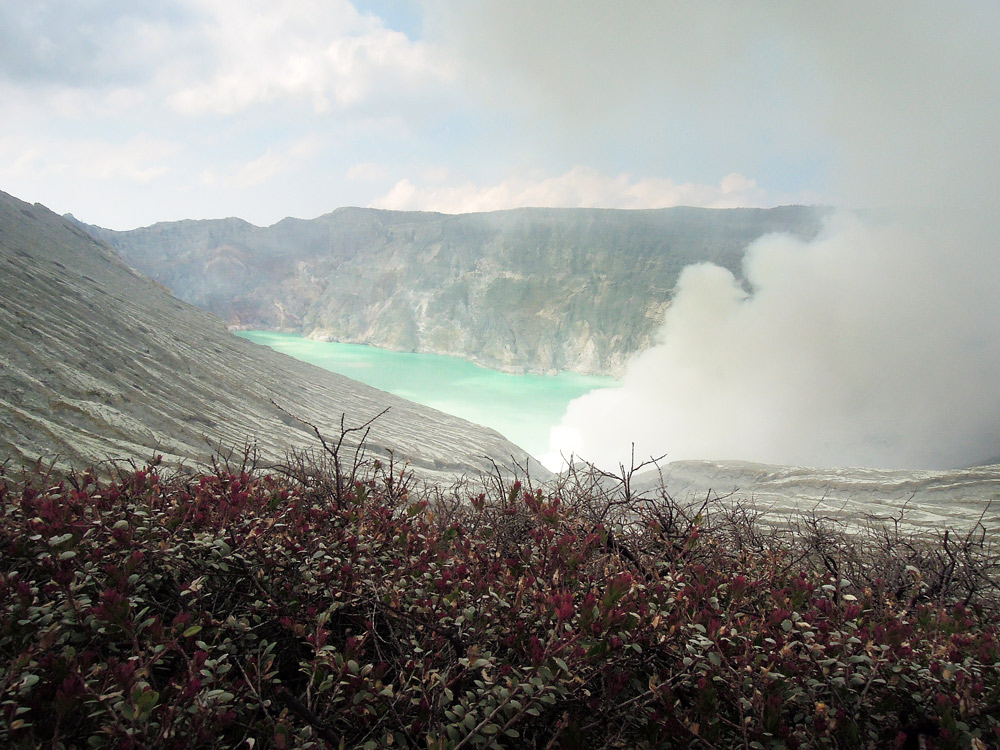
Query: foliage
point(244, 608)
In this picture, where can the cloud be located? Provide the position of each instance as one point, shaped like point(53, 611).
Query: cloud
point(876, 344)
point(584, 58)
point(264, 168)
point(323, 53)
point(229, 85)
point(97, 44)
point(92, 177)
point(139, 160)
point(865, 347)
point(699, 89)
point(365, 172)
point(216, 56)
point(579, 187)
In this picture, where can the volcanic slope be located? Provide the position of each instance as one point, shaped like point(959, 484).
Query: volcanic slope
point(99, 361)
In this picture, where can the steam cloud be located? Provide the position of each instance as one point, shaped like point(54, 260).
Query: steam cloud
point(871, 346)
point(877, 344)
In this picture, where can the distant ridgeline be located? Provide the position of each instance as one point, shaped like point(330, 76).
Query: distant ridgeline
point(535, 290)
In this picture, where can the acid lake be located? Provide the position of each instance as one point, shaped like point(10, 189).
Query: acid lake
point(523, 408)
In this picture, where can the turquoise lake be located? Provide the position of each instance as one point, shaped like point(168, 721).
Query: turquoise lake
point(521, 407)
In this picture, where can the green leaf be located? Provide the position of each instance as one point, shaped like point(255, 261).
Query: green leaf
point(193, 630)
point(147, 700)
point(598, 649)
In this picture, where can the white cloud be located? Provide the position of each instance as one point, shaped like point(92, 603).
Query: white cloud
point(94, 45)
point(877, 344)
point(579, 187)
point(141, 159)
point(213, 57)
point(874, 345)
point(264, 168)
point(322, 53)
point(365, 172)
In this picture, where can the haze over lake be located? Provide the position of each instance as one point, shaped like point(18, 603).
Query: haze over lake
point(523, 408)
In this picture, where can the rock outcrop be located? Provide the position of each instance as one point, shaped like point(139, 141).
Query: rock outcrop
point(101, 362)
point(537, 290)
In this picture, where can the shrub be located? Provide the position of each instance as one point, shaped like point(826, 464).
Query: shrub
point(291, 610)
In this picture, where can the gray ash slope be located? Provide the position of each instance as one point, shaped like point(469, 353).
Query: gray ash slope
point(98, 361)
point(925, 500)
point(534, 289)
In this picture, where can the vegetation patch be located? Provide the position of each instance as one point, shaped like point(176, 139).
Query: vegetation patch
point(316, 606)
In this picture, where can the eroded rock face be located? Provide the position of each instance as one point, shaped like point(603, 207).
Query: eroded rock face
point(99, 361)
point(536, 290)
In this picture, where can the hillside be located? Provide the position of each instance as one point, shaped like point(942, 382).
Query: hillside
point(536, 290)
point(320, 608)
point(925, 500)
point(100, 361)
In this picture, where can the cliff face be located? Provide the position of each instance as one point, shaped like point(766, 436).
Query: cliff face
point(523, 290)
point(101, 362)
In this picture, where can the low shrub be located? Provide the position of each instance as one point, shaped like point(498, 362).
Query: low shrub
point(244, 608)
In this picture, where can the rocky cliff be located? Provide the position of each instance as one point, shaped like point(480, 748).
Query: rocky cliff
point(99, 361)
point(523, 290)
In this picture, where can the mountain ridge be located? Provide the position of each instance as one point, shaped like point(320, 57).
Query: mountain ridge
point(520, 290)
point(69, 392)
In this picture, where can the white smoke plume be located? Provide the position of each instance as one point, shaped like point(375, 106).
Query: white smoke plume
point(877, 344)
point(871, 346)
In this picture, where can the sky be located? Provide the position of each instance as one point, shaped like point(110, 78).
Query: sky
point(877, 344)
point(130, 113)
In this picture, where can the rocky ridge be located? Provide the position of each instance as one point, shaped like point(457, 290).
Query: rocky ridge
point(537, 290)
